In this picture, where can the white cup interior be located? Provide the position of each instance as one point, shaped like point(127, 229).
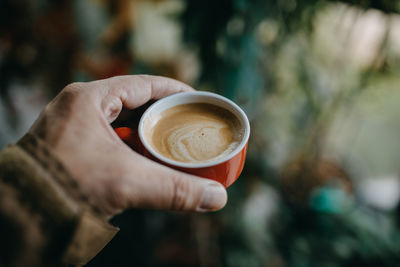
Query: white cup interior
point(152, 115)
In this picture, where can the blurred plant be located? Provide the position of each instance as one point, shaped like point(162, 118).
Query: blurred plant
point(274, 59)
point(318, 79)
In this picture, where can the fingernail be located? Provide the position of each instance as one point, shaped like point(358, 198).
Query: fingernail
point(214, 197)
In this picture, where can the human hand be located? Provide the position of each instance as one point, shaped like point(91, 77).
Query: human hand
point(76, 126)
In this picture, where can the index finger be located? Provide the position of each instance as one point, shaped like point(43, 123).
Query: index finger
point(135, 90)
point(132, 91)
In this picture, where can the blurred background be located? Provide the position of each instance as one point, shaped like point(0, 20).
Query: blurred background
point(319, 80)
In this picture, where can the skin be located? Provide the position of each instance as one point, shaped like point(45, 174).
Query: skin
point(76, 125)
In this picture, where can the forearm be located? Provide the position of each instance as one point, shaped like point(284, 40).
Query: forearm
point(44, 220)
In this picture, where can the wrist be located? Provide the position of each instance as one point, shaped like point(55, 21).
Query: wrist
point(59, 197)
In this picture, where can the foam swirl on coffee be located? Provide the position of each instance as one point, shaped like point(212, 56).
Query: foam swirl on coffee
point(196, 133)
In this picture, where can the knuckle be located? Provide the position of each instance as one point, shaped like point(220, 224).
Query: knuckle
point(70, 96)
point(181, 189)
point(75, 86)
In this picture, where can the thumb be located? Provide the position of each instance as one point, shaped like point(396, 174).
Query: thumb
point(158, 187)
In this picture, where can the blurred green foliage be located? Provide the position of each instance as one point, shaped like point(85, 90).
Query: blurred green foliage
point(319, 81)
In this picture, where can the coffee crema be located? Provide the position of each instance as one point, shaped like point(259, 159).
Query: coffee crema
point(195, 133)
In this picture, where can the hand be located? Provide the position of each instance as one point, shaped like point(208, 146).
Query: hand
point(76, 125)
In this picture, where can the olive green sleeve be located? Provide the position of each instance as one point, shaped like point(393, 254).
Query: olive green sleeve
point(44, 220)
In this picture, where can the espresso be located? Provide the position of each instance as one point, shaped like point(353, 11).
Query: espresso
point(195, 133)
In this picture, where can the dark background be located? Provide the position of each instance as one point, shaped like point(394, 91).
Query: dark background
point(318, 79)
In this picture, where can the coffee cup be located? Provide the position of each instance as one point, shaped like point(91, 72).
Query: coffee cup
point(200, 133)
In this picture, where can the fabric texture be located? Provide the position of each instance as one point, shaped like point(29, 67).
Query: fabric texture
point(44, 219)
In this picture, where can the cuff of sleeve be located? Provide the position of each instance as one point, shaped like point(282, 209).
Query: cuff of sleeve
point(91, 230)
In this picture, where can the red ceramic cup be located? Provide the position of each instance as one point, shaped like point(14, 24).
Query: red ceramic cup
point(224, 170)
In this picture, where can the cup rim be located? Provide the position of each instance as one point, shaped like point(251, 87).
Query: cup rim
point(243, 118)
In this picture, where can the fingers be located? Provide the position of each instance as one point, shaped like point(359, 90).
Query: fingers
point(133, 91)
point(155, 186)
point(147, 184)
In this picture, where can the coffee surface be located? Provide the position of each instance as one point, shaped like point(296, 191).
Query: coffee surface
point(195, 133)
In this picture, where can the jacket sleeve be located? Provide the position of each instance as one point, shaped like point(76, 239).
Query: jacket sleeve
point(44, 220)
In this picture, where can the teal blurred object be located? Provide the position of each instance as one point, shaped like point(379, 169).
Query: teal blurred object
point(317, 78)
point(329, 200)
